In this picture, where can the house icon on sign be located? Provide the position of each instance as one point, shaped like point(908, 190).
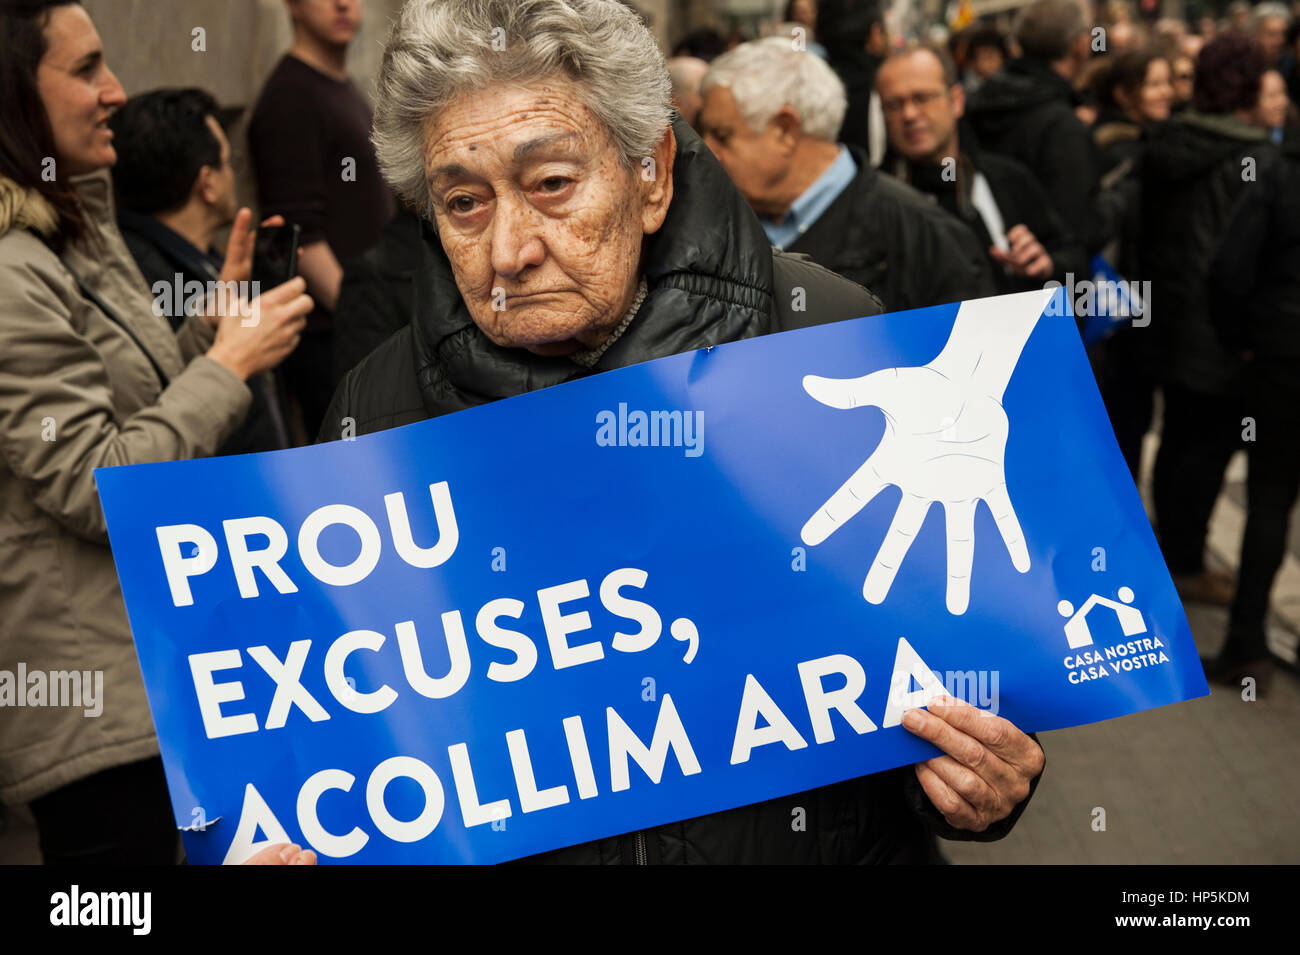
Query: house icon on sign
point(1076, 628)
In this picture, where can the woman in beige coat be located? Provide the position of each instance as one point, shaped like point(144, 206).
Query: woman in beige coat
point(90, 376)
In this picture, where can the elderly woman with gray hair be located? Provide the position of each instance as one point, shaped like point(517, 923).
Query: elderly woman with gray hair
point(581, 227)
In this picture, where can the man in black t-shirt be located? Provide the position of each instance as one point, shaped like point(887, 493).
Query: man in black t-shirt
point(310, 142)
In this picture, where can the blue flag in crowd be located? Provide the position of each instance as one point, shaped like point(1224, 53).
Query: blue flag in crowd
point(647, 595)
point(1108, 301)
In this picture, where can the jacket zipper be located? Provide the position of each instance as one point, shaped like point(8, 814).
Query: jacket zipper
point(639, 848)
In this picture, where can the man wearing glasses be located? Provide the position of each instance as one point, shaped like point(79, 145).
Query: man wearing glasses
point(997, 197)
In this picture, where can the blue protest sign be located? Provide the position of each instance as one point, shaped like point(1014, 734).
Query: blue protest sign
point(1107, 301)
point(647, 595)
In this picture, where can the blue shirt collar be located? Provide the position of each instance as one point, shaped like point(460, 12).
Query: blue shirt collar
point(814, 201)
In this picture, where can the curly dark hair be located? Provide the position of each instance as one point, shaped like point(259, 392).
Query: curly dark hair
point(1228, 72)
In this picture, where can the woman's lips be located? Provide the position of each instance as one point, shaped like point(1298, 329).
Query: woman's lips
point(531, 295)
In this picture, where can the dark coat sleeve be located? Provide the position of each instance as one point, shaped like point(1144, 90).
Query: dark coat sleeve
point(1070, 174)
point(369, 310)
point(925, 810)
point(339, 411)
point(375, 297)
point(1234, 269)
point(1066, 249)
point(951, 266)
point(806, 294)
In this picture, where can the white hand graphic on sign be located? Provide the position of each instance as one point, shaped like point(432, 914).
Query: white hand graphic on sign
point(945, 440)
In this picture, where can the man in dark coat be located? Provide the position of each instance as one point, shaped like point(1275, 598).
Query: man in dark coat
point(1255, 294)
point(853, 33)
point(1198, 166)
point(771, 115)
point(995, 196)
point(711, 277)
point(1027, 112)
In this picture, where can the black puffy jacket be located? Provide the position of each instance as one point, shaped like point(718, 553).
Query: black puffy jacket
point(375, 294)
point(713, 277)
point(1197, 169)
point(1255, 279)
point(1027, 113)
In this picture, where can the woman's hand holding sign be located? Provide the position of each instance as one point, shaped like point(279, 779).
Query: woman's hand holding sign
point(945, 440)
point(283, 853)
point(988, 767)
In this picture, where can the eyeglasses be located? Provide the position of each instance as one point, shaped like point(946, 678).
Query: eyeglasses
point(920, 100)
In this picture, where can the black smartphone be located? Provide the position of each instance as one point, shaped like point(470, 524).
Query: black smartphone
point(275, 256)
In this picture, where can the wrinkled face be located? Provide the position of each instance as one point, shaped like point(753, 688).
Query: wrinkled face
point(541, 219)
point(757, 162)
point(921, 111)
point(79, 92)
point(1156, 94)
point(332, 22)
point(1273, 101)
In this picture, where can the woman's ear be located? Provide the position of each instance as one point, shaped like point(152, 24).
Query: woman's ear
point(656, 174)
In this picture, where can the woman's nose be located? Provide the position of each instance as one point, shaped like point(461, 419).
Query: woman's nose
point(516, 244)
point(114, 94)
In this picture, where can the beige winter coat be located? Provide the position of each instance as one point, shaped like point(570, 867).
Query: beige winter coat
point(77, 393)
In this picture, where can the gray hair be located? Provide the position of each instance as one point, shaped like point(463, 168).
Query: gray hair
point(440, 49)
point(1270, 11)
point(766, 75)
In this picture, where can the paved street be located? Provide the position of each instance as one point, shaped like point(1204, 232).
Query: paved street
point(1214, 780)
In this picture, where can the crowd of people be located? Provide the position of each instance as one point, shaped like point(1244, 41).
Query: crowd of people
point(1163, 151)
point(875, 173)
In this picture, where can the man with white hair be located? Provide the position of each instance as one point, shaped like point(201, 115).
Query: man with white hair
point(1270, 21)
point(771, 115)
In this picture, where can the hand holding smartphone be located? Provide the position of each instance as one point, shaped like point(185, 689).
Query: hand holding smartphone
point(275, 256)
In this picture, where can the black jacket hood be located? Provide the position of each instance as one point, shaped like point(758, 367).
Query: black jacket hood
point(1025, 84)
point(709, 275)
point(1191, 144)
